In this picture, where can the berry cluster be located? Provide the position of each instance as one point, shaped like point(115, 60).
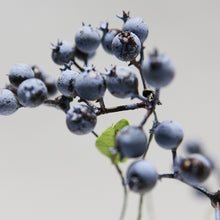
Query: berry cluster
point(30, 86)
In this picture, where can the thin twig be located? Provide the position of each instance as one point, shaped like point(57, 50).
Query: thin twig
point(140, 207)
point(217, 211)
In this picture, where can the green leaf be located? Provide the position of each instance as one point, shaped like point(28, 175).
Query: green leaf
point(119, 125)
point(106, 140)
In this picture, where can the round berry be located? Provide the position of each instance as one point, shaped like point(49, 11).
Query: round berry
point(193, 147)
point(39, 72)
point(131, 142)
point(51, 85)
point(126, 46)
point(19, 73)
point(32, 92)
point(196, 168)
point(137, 26)
point(62, 52)
point(8, 102)
point(80, 119)
point(66, 82)
point(90, 84)
point(108, 36)
point(168, 134)
point(158, 70)
point(122, 82)
point(141, 176)
point(87, 39)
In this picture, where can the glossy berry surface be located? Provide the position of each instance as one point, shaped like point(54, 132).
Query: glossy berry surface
point(138, 26)
point(87, 39)
point(8, 102)
point(158, 70)
point(168, 134)
point(196, 168)
point(126, 46)
point(80, 119)
point(90, 84)
point(66, 82)
point(62, 52)
point(141, 176)
point(31, 92)
point(19, 73)
point(131, 142)
point(122, 82)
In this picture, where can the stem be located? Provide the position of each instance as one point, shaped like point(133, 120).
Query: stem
point(122, 108)
point(148, 144)
point(149, 112)
point(102, 104)
point(124, 204)
point(217, 211)
point(77, 65)
point(140, 207)
point(95, 134)
point(174, 156)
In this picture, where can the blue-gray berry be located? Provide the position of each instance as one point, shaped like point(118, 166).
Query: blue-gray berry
point(158, 70)
point(66, 82)
point(90, 84)
point(122, 82)
point(19, 73)
point(62, 52)
point(137, 26)
point(32, 92)
point(141, 176)
point(81, 119)
point(131, 142)
point(195, 169)
point(8, 102)
point(126, 46)
point(87, 39)
point(168, 134)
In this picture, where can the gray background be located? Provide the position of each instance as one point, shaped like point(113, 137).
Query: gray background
point(48, 173)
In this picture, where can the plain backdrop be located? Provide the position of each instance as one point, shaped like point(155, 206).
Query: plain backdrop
point(46, 172)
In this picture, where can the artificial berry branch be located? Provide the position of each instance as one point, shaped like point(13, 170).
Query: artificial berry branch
point(30, 87)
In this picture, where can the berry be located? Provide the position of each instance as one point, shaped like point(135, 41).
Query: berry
point(39, 73)
point(196, 168)
point(8, 102)
point(19, 73)
point(80, 119)
point(122, 82)
point(131, 142)
point(66, 82)
point(108, 36)
point(62, 52)
point(87, 39)
point(141, 176)
point(126, 46)
point(90, 84)
point(51, 85)
point(137, 26)
point(158, 70)
point(193, 147)
point(83, 56)
point(168, 134)
point(32, 92)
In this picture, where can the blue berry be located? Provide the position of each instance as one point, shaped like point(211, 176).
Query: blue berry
point(126, 46)
point(80, 119)
point(137, 26)
point(158, 70)
point(62, 52)
point(51, 85)
point(122, 82)
point(8, 102)
point(141, 176)
point(19, 73)
point(131, 142)
point(90, 84)
point(168, 134)
point(195, 169)
point(87, 39)
point(32, 92)
point(66, 82)
point(108, 36)
point(193, 147)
